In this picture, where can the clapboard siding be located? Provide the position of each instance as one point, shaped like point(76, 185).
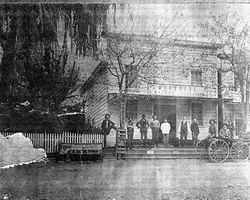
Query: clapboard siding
point(176, 72)
point(209, 112)
point(145, 107)
point(173, 63)
point(182, 110)
point(114, 110)
point(113, 83)
point(232, 111)
point(96, 99)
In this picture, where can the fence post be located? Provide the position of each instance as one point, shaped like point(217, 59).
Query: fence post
point(44, 143)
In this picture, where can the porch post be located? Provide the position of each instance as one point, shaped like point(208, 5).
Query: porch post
point(220, 97)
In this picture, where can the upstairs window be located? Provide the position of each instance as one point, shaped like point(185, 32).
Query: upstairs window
point(196, 77)
point(197, 113)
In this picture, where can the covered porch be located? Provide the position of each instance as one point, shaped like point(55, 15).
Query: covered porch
point(171, 108)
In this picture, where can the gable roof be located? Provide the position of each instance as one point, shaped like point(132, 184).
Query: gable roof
point(99, 68)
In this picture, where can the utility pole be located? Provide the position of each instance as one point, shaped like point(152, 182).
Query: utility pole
point(220, 96)
point(220, 99)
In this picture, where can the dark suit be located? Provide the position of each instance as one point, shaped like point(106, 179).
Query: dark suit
point(195, 132)
point(106, 127)
point(143, 126)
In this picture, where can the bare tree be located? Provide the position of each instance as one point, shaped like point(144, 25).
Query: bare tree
point(231, 33)
point(130, 57)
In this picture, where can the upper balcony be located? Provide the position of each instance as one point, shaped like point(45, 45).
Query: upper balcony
point(175, 91)
point(195, 84)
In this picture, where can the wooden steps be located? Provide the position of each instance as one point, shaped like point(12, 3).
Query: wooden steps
point(162, 153)
point(155, 153)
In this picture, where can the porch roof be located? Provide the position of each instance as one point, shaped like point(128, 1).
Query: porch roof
point(140, 96)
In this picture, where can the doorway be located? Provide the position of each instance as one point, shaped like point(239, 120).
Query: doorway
point(167, 112)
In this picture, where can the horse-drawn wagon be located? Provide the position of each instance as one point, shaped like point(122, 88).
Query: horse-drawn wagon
point(219, 149)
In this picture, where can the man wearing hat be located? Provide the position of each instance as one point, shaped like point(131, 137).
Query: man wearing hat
point(184, 129)
point(212, 132)
point(155, 126)
point(195, 131)
point(143, 125)
point(225, 134)
point(107, 124)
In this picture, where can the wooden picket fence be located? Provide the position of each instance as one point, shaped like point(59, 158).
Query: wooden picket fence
point(50, 141)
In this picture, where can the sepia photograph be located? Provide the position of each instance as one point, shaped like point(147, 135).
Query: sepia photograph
point(125, 100)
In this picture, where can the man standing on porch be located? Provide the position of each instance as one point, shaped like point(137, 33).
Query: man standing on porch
point(184, 130)
point(165, 128)
point(107, 124)
point(195, 131)
point(143, 125)
point(155, 126)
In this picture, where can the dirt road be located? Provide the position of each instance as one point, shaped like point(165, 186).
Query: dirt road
point(117, 180)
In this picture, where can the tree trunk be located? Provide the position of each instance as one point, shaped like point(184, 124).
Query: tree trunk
point(122, 113)
point(243, 106)
point(8, 59)
point(220, 101)
point(123, 103)
point(247, 106)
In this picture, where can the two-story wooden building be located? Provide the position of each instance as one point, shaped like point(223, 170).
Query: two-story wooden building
point(185, 87)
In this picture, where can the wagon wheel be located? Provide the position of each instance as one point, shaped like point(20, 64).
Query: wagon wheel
point(200, 149)
point(240, 151)
point(68, 157)
point(218, 151)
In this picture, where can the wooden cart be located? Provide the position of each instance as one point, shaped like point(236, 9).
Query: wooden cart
point(86, 151)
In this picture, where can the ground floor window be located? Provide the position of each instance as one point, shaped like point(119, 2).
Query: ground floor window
point(197, 113)
point(131, 109)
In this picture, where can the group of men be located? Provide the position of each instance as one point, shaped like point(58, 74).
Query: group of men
point(143, 125)
point(185, 129)
point(159, 130)
point(164, 129)
point(156, 128)
point(224, 133)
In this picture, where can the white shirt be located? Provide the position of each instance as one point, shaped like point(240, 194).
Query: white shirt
point(165, 128)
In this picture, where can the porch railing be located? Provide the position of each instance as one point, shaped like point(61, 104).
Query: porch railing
point(50, 141)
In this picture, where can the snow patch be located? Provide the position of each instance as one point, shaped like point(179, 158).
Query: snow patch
point(16, 149)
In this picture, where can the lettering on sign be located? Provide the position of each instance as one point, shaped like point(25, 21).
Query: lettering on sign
point(187, 91)
point(176, 90)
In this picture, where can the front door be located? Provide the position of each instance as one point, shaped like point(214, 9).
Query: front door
point(167, 112)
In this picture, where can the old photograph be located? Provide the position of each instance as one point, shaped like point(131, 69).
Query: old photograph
point(124, 100)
